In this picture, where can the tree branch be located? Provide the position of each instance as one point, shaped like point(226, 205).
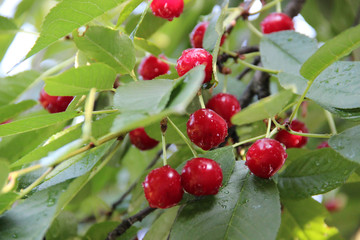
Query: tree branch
point(259, 86)
point(256, 61)
point(294, 7)
point(127, 223)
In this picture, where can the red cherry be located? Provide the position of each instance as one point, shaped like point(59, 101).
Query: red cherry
point(224, 104)
point(206, 128)
point(151, 67)
point(197, 35)
point(162, 187)
point(324, 144)
point(167, 9)
point(265, 157)
point(290, 140)
point(54, 104)
point(141, 140)
point(201, 176)
point(193, 57)
point(334, 205)
point(276, 22)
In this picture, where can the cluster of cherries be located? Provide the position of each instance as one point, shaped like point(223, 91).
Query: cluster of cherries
point(207, 127)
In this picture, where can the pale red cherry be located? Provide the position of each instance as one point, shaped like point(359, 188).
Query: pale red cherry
point(276, 22)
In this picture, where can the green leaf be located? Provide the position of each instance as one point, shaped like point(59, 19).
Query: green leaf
point(316, 172)
point(148, 27)
point(6, 25)
point(286, 50)
point(345, 143)
point(67, 16)
point(330, 52)
point(331, 87)
point(303, 220)
point(63, 227)
point(353, 114)
point(185, 91)
point(10, 111)
point(108, 46)
point(247, 208)
point(99, 128)
point(31, 217)
point(75, 166)
point(12, 87)
point(100, 230)
point(6, 200)
point(265, 108)
point(160, 229)
point(79, 81)
point(147, 46)
point(4, 173)
point(33, 123)
point(143, 96)
point(126, 10)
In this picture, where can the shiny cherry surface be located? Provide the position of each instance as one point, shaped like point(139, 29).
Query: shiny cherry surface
point(197, 35)
point(224, 104)
point(290, 140)
point(276, 22)
point(162, 187)
point(265, 157)
point(206, 128)
point(152, 67)
point(201, 176)
point(193, 57)
point(140, 139)
point(54, 104)
point(167, 9)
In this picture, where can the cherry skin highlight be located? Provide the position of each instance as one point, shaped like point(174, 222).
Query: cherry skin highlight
point(167, 9)
point(290, 140)
point(265, 157)
point(152, 67)
point(276, 22)
point(54, 104)
point(197, 35)
point(206, 129)
point(162, 187)
point(140, 139)
point(193, 57)
point(201, 176)
point(224, 104)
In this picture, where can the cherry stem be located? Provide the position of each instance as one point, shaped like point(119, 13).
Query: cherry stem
point(89, 106)
point(278, 7)
point(248, 140)
point(133, 76)
point(293, 114)
point(311, 135)
point(104, 111)
point(201, 99)
point(268, 128)
point(225, 84)
point(331, 122)
point(34, 184)
point(255, 67)
point(183, 137)
point(254, 29)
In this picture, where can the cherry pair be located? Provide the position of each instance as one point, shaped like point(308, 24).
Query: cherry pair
point(164, 187)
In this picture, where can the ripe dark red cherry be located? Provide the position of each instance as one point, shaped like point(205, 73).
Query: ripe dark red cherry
point(206, 128)
point(265, 157)
point(193, 57)
point(201, 176)
point(141, 140)
point(324, 144)
point(290, 140)
point(224, 104)
point(197, 35)
point(276, 22)
point(54, 104)
point(152, 67)
point(167, 9)
point(162, 187)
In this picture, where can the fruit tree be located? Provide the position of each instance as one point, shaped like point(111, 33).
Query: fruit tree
point(179, 119)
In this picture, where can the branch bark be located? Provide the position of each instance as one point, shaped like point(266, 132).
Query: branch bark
point(294, 7)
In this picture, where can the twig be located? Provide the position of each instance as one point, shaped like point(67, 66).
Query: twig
point(132, 186)
point(247, 70)
point(222, 58)
point(127, 223)
point(259, 86)
point(294, 7)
